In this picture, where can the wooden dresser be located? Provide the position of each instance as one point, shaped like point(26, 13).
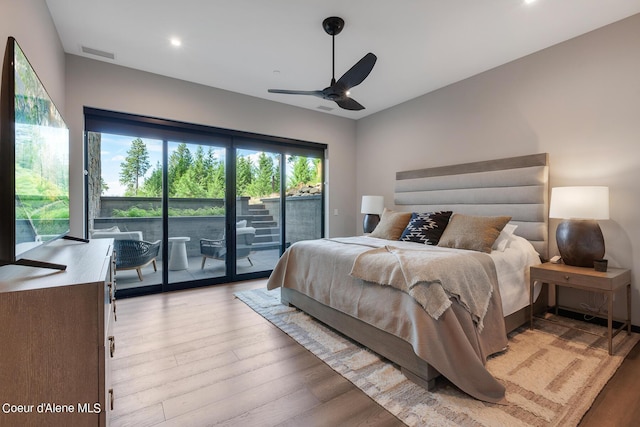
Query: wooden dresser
point(56, 337)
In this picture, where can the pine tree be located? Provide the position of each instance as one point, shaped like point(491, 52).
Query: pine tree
point(215, 175)
point(244, 175)
point(103, 186)
point(152, 186)
point(276, 178)
point(264, 183)
point(317, 170)
point(179, 162)
point(188, 185)
point(134, 166)
point(301, 172)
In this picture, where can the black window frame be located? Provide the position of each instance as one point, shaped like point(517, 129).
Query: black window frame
point(105, 121)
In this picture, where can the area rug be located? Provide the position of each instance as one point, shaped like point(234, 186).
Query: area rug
point(552, 373)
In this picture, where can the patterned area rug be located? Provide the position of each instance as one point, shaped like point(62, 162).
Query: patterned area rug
point(552, 373)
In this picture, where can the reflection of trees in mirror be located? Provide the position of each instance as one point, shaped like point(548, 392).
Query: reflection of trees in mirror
point(37, 207)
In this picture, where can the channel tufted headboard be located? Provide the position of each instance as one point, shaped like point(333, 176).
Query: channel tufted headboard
point(516, 186)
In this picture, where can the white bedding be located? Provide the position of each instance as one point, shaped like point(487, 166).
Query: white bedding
point(512, 268)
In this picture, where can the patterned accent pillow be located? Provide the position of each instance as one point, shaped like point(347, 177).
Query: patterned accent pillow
point(426, 228)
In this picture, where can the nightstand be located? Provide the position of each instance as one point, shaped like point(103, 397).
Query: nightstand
point(607, 283)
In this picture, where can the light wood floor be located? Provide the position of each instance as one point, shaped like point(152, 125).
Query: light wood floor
point(201, 357)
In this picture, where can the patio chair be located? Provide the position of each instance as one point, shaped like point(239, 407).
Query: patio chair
point(217, 248)
point(136, 254)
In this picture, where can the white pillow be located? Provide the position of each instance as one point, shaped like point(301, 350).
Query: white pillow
point(113, 229)
point(503, 239)
point(241, 224)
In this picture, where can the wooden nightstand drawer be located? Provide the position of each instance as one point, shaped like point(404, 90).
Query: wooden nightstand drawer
point(580, 277)
point(607, 283)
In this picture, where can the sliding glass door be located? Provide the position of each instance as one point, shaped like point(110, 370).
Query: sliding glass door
point(125, 204)
point(258, 221)
point(196, 211)
point(189, 205)
point(163, 203)
point(303, 204)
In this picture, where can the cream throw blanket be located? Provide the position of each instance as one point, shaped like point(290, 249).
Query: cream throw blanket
point(433, 277)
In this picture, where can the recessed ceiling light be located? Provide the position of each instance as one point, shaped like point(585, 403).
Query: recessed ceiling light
point(176, 42)
point(529, 1)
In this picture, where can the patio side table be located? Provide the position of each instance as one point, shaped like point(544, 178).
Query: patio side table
point(178, 256)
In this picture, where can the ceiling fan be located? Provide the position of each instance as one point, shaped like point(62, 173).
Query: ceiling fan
point(338, 91)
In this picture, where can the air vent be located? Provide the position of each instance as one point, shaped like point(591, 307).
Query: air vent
point(96, 52)
point(324, 108)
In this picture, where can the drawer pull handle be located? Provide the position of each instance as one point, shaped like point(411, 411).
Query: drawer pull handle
point(112, 345)
point(111, 399)
point(567, 278)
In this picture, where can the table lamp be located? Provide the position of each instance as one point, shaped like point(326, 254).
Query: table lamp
point(372, 207)
point(578, 236)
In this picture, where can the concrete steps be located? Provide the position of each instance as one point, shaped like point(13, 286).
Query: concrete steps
point(267, 229)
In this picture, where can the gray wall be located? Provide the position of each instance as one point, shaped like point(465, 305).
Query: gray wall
point(30, 23)
point(104, 85)
point(579, 101)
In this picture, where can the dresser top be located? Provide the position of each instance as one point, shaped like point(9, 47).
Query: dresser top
point(86, 263)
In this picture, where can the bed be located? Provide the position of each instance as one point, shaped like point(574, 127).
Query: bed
point(392, 311)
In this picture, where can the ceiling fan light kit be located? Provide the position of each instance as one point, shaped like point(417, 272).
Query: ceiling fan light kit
point(338, 91)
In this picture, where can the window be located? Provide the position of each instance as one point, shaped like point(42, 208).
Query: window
point(190, 205)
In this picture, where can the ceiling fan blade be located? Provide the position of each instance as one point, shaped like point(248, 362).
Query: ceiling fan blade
point(338, 91)
point(317, 93)
point(349, 104)
point(358, 72)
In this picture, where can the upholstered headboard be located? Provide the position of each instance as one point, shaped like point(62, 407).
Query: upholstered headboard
point(516, 186)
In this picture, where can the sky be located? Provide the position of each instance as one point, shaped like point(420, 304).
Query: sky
point(114, 151)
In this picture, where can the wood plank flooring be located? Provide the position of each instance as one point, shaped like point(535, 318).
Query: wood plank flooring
point(201, 357)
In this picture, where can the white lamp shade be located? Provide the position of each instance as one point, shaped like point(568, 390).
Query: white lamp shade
point(579, 203)
point(372, 205)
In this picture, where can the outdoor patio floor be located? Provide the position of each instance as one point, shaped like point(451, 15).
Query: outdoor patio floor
point(263, 260)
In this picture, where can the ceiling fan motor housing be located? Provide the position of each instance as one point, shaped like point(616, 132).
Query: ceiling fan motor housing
point(333, 25)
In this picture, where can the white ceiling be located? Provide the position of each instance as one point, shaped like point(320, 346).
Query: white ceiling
point(249, 46)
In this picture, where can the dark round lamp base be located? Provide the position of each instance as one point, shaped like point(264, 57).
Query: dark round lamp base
point(580, 242)
point(370, 222)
